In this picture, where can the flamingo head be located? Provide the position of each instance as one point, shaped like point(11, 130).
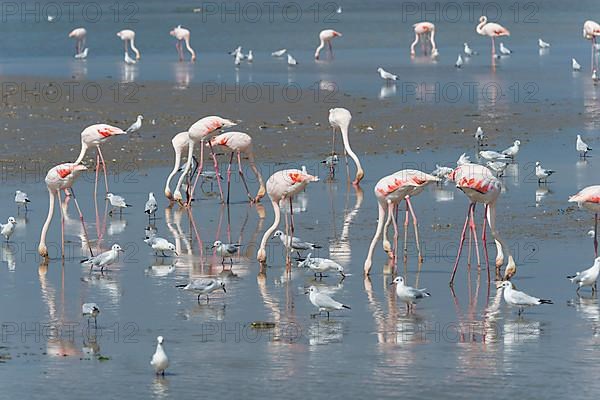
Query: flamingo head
point(261, 256)
point(483, 19)
point(359, 175)
point(43, 250)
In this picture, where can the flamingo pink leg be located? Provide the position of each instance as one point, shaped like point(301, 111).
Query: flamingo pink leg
point(416, 226)
point(330, 49)
point(596, 235)
point(87, 239)
point(460, 246)
point(484, 240)
point(406, 234)
point(391, 208)
point(104, 168)
point(216, 164)
point(229, 176)
point(474, 230)
point(241, 172)
point(97, 171)
point(291, 217)
point(62, 225)
point(200, 168)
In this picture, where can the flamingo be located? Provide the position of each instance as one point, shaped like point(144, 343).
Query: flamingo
point(180, 142)
point(60, 177)
point(79, 35)
point(481, 186)
point(339, 118)
point(326, 36)
point(198, 133)
point(492, 30)
point(95, 135)
point(589, 198)
point(591, 29)
point(182, 34)
point(127, 35)
point(422, 30)
point(283, 185)
point(239, 142)
point(390, 191)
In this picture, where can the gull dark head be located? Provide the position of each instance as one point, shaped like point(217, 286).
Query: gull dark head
point(160, 339)
point(277, 234)
point(116, 247)
point(217, 243)
point(398, 280)
point(311, 289)
point(12, 220)
point(506, 284)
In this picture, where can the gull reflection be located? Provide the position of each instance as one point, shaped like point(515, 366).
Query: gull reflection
point(540, 193)
point(79, 69)
point(325, 332)
point(183, 75)
point(8, 256)
point(116, 227)
point(442, 195)
point(587, 306)
point(160, 387)
point(387, 91)
point(129, 73)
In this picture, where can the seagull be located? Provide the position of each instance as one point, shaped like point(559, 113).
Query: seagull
point(51, 18)
point(238, 59)
point(160, 244)
point(468, 51)
point(90, 310)
point(234, 53)
point(209, 176)
point(408, 294)
point(320, 265)
point(441, 172)
point(575, 64)
point(160, 361)
point(541, 173)
point(204, 286)
point(136, 126)
point(587, 277)
point(292, 60)
point(594, 76)
point(330, 160)
point(83, 55)
point(151, 206)
point(459, 62)
point(491, 155)
point(497, 166)
point(339, 10)
point(128, 60)
point(296, 243)
point(116, 202)
point(505, 51)
point(279, 53)
point(388, 76)
point(323, 302)
point(463, 159)
point(105, 259)
point(542, 44)
point(226, 250)
point(516, 298)
point(479, 135)
point(7, 229)
point(512, 150)
point(250, 56)
point(21, 199)
point(582, 147)
point(591, 233)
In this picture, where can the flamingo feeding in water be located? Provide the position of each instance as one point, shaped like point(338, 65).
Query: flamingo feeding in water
point(326, 36)
point(591, 29)
point(423, 31)
point(481, 186)
point(239, 142)
point(198, 133)
point(283, 185)
point(182, 34)
point(127, 35)
point(589, 198)
point(390, 191)
point(339, 118)
point(79, 35)
point(179, 142)
point(492, 30)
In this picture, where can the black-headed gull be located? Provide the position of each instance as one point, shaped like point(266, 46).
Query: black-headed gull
point(459, 62)
point(151, 206)
point(291, 60)
point(105, 259)
point(492, 155)
point(542, 44)
point(582, 147)
point(279, 53)
point(21, 199)
point(321, 265)
point(513, 150)
point(505, 51)
point(90, 310)
point(468, 51)
point(323, 302)
point(479, 135)
point(541, 173)
point(226, 250)
point(204, 286)
point(161, 245)
point(160, 361)
point(116, 202)
point(295, 244)
point(408, 294)
point(516, 298)
point(385, 75)
point(587, 277)
point(136, 126)
point(575, 65)
point(7, 229)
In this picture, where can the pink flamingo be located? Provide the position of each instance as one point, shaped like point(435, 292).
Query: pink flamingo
point(591, 29)
point(492, 30)
point(60, 177)
point(94, 136)
point(339, 118)
point(180, 142)
point(198, 133)
point(239, 142)
point(127, 35)
point(589, 198)
point(79, 35)
point(424, 30)
point(326, 36)
point(182, 34)
point(390, 191)
point(481, 186)
point(283, 185)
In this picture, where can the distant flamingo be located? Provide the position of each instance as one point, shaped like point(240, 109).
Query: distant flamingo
point(339, 118)
point(182, 34)
point(283, 185)
point(424, 31)
point(481, 186)
point(198, 133)
point(492, 30)
point(589, 198)
point(94, 136)
point(127, 35)
point(390, 191)
point(179, 142)
point(326, 36)
point(591, 29)
point(79, 35)
point(60, 177)
point(239, 142)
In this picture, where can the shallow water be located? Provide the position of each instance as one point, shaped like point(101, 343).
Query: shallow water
point(468, 341)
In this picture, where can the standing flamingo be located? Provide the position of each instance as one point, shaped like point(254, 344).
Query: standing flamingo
point(390, 191)
point(326, 36)
point(492, 30)
point(589, 198)
point(481, 186)
point(424, 30)
point(239, 142)
point(198, 133)
point(591, 29)
point(60, 177)
point(339, 118)
point(182, 34)
point(179, 142)
point(127, 35)
point(283, 185)
point(79, 35)
point(94, 136)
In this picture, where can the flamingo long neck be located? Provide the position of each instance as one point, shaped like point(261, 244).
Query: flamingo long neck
point(359, 170)
point(173, 172)
point(262, 256)
point(84, 148)
point(319, 48)
point(135, 50)
point(187, 45)
point(479, 28)
point(261, 190)
point(431, 39)
point(413, 44)
point(188, 165)
point(501, 246)
point(42, 249)
point(380, 221)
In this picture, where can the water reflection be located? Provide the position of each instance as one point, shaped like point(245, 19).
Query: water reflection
point(183, 73)
point(129, 73)
point(8, 256)
point(339, 247)
point(387, 91)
